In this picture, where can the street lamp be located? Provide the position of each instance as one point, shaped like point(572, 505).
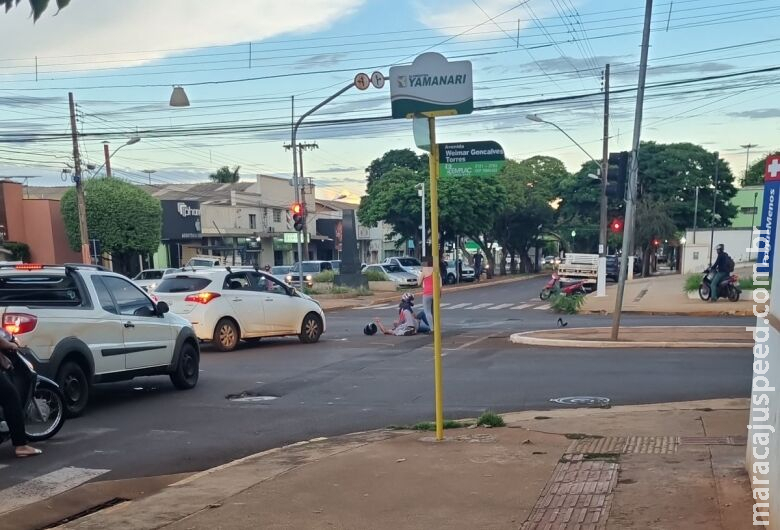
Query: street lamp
point(421, 193)
point(536, 118)
point(179, 98)
point(149, 174)
point(107, 163)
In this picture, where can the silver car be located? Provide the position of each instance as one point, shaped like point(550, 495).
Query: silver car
point(396, 274)
point(411, 265)
point(149, 278)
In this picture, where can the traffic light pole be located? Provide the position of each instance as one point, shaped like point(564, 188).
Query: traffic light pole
point(601, 286)
point(628, 225)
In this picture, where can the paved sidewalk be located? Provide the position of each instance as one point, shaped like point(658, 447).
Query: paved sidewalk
point(664, 294)
point(640, 337)
point(666, 466)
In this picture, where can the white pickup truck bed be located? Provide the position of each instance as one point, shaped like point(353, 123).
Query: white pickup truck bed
point(579, 266)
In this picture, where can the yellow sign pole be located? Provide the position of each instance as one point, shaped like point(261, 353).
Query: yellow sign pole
point(437, 370)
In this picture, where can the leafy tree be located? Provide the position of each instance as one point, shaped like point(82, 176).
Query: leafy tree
point(226, 175)
point(652, 222)
point(396, 158)
point(123, 217)
point(394, 200)
point(38, 6)
point(755, 173)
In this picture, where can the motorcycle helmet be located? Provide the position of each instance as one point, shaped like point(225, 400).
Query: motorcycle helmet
point(719, 248)
point(408, 297)
point(370, 329)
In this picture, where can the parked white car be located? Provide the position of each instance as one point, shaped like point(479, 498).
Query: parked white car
point(468, 274)
point(411, 265)
point(226, 306)
point(149, 278)
point(394, 273)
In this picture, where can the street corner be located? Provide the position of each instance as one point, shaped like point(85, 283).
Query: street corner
point(639, 337)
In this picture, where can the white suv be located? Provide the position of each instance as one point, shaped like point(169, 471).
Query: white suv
point(86, 325)
point(227, 305)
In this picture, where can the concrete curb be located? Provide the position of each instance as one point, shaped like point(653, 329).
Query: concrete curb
point(527, 338)
point(455, 288)
point(732, 313)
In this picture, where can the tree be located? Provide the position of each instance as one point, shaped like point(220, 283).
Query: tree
point(396, 158)
point(755, 173)
point(38, 6)
point(226, 175)
point(394, 200)
point(122, 217)
point(652, 223)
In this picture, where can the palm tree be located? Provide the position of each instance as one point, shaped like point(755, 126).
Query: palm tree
point(226, 175)
point(38, 6)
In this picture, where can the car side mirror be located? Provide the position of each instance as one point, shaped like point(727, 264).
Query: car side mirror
point(162, 308)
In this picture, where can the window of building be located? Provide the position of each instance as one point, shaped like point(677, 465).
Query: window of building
point(252, 221)
point(749, 209)
point(277, 215)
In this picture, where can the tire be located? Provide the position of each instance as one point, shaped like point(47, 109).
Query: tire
point(704, 292)
point(226, 335)
point(545, 294)
point(75, 388)
point(311, 329)
point(47, 400)
point(450, 279)
point(187, 368)
point(733, 294)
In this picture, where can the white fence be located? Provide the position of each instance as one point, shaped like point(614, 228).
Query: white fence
point(696, 251)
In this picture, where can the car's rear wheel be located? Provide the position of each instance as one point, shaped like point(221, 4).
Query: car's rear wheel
point(311, 329)
point(74, 385)
point(187, 369)
point(226, 335)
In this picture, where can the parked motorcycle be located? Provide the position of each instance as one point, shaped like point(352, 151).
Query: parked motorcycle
point(728, 288)
point(554, 285)
point(42, 401)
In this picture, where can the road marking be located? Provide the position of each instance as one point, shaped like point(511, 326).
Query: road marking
point(500, 306)
point(3, 465)
point(444, 305)
point(472, 343)
point(543, 307)
point(382, 306)
point(460, 306)
point(45, 486)
point(522, 306)
point(480, 306)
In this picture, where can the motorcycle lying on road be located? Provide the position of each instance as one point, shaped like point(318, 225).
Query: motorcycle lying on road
point(42, 402)
point(555, 285)
point(728, 288)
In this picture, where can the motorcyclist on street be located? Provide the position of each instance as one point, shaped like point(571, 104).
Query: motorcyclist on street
point(721, 269)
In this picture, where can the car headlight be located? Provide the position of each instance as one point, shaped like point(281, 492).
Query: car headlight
point(289, 278)
point(309, 277)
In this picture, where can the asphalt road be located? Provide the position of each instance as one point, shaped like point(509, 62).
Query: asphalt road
point(350, 382)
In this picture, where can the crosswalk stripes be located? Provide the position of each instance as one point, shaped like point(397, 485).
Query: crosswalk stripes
point(469, 306)
point(543, 307)
point(481, 306)
point(522, 306)
point(500, 306)
point(46, 486)
point(460, 306)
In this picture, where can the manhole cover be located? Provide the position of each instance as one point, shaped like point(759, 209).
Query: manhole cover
point(582, 401)
point(250, 397)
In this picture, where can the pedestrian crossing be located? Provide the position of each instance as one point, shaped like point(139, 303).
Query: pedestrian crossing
point(468, 306)
point(45, 486)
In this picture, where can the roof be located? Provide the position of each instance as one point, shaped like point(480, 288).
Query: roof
point(337, 205)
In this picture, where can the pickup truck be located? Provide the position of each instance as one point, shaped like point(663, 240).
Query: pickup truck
point(579, 266)
point(86, 325)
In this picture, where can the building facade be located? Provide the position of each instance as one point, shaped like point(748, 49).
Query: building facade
point(748, 201)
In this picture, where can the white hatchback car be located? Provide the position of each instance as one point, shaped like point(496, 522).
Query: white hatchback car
point(227, 305)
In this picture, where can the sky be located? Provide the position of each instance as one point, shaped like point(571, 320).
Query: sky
point(242, 62)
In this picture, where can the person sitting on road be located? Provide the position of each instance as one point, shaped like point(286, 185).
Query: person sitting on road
point(407, 303)
point(406, 323)
point(722, 269)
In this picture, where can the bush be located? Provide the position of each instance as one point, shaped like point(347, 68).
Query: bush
point(431, 426)
point(375, 276)
point(491, 419)
point(746, 283)
point(692, 282)
point(19, 251)
point(567, 304)
point(325, 277)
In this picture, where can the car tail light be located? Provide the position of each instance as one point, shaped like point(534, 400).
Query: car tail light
point(18, 323)
point(29, 267)
point(202, 298)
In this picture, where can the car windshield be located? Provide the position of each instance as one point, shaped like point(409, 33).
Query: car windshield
point(393, 268)
point(150, 275)
point(280, 270)
point(311, 267)
point(409, 262)
point(182, 284)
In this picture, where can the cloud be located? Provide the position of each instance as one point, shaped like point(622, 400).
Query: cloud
point(757, 113)
point(321, 60)
point(118, 27)
point(27, 101)
point(336, 170)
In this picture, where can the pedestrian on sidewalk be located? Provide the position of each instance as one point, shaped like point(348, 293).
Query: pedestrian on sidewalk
point(427, 285)
point(478, 266)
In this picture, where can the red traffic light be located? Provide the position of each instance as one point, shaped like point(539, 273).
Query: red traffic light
point(617, 225)
point(656, 242)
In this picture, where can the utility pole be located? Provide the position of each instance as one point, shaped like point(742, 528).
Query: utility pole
point(628, 225)
point(295, 183)
point(695, 213)
point(714, 204)
point(80, 199)
point(108, 159)
point(747, 147)
point(601, 287)
point(301, 148)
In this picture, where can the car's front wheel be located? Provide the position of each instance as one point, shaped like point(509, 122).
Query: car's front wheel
point(187, 368)
point(311, 329)
point(74, 385)
point(226, 335)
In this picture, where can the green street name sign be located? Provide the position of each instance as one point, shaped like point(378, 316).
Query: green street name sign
point(431, 86)
point(477, 159)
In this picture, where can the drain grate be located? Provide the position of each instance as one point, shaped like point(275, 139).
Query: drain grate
point(250, 397)
point(89, 511)
point(583, 401)
point(713, 440)
point(659, 445)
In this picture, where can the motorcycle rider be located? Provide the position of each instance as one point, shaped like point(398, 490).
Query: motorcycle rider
point(721, 270)
point(12, 404)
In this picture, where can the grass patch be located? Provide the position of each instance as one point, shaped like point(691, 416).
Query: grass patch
point(340, 289)
point(325, 277)
point(692, 282)
point(490, 419)
point(431, 426)
point(746, 283)
point(375, 276)
point(568, 305)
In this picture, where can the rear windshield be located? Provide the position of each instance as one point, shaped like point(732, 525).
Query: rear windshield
point(39, 289)
point(393, 268)
point(316, 267)
point(408, 262)
point(182, 284)
point(280, 270)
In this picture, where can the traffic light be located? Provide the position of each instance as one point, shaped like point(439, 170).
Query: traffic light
point(616, 226)
point(297, 216)
point(656, 242)
point(617, 175)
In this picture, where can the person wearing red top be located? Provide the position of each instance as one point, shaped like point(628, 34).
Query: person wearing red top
point(427, 283)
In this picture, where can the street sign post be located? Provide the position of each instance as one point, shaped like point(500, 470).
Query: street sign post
point(432, 86)
point(362, 81)
point(769, 212)
point(477, 159)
